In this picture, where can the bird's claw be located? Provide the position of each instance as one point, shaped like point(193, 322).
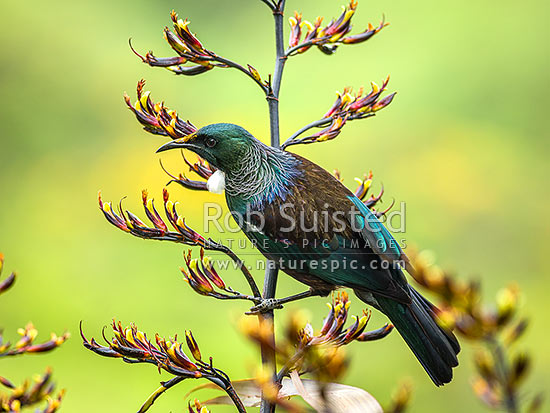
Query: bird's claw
point(266, 305)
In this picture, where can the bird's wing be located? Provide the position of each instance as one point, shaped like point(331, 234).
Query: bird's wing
point(332, 224)
point(331, 195)
point(376, 234)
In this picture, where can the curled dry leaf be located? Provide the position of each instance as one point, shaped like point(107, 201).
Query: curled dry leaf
point(340, 397)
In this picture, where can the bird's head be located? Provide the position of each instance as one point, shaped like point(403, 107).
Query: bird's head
point(223, 145)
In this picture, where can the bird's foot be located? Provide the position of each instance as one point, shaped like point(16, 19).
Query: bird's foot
point(265, 305)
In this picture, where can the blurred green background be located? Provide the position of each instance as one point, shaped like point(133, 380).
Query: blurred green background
point(464, 144)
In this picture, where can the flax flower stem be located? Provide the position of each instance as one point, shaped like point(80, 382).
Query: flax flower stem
point(503, 370)
point(316, 124)
point(271, 274)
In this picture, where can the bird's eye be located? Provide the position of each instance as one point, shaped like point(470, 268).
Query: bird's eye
point(210, 142)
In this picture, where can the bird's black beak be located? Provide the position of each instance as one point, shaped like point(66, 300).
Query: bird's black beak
point(180, 143)
point(172, 145)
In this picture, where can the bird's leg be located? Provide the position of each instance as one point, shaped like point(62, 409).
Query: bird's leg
point(269, 304)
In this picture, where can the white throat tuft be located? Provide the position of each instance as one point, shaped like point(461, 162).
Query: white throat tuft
point(216, 182)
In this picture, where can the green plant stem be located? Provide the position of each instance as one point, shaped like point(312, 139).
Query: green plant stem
point(271, 273)
point(504, 372)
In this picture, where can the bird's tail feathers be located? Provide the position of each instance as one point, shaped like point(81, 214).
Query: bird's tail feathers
point(435, 347)
point(432, 311)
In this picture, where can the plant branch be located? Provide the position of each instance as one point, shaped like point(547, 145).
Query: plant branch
point(273, 96)
point(268, 349)
point(211, 245)
point(504, 372)
point(291, 50)
point(274, 303)
point(271, 274)
point(242, 266)
point(281, 58)
point(130, 223)
point(235, 398)
point(317, 124)
point(269, 4)
point(164, 386)
point(237, 66)
point(321, 123)
point(133, 346)
point(288, 366)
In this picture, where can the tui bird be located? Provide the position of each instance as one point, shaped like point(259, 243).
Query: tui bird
point(321, 234)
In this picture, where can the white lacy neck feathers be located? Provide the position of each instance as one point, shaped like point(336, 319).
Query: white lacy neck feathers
point(216, 182)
